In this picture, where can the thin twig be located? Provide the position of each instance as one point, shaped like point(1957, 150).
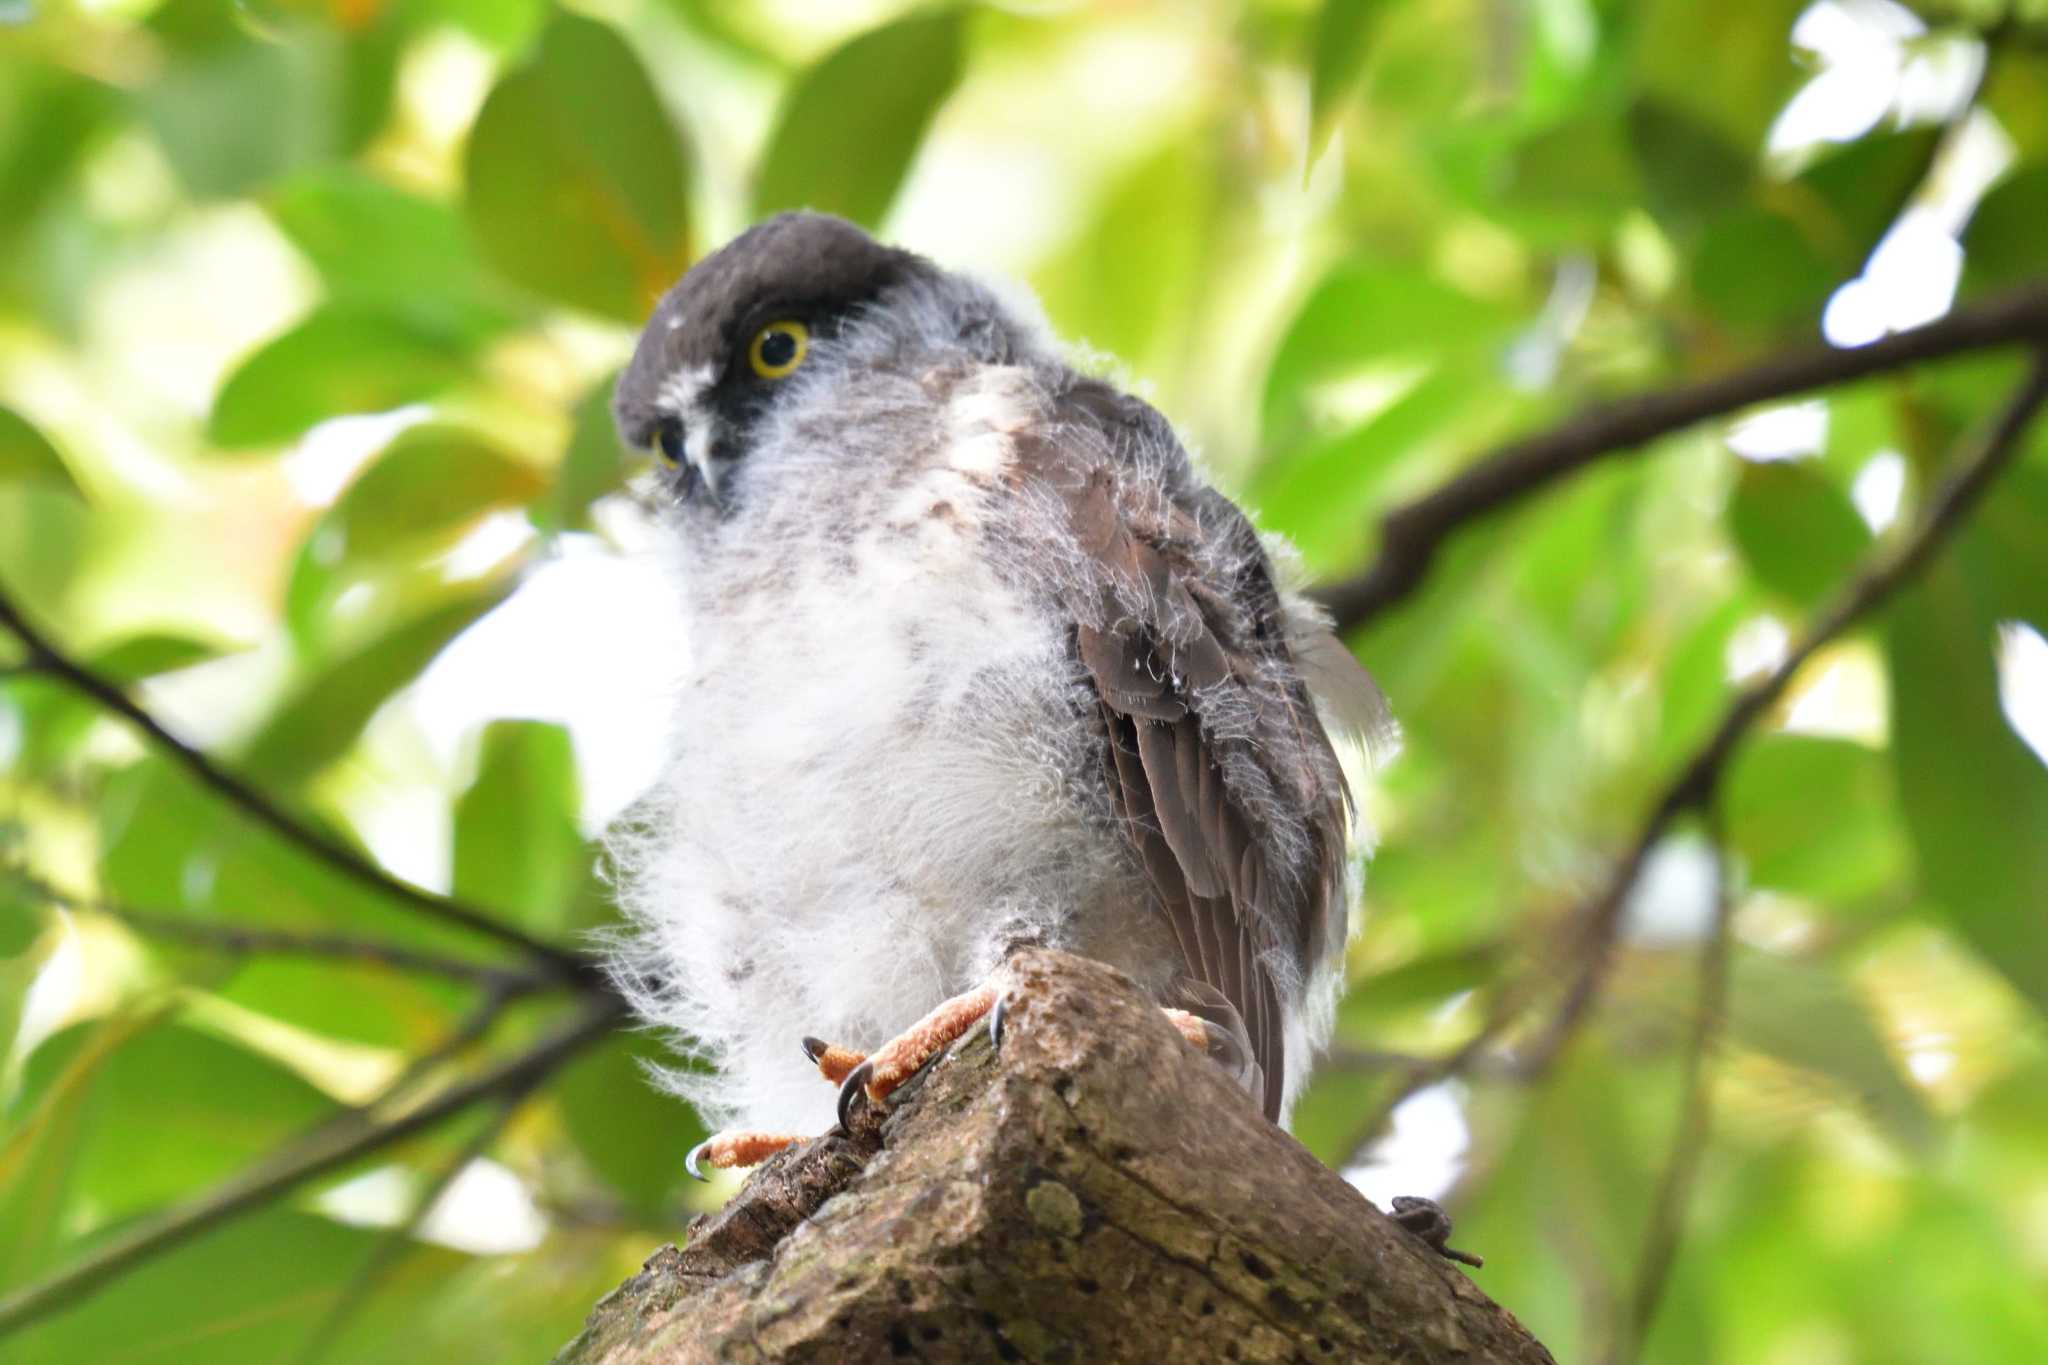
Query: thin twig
point(1600, 919)
point(1411, 534)
point(331, 1145)
point(468, 1031)
point(1695, 1119)
point(44, 653)
point(239, 940)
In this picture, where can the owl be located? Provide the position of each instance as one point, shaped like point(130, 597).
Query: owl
point(977, 660)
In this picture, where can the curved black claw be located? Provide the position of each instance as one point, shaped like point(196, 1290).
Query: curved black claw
point(854, 1085)
point(1426, 1219)
point(690, 1161)
point(995, 1021)
point(814, 1048)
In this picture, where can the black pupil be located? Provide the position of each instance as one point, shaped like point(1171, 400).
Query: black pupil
point(671, 438)
point(778, 348)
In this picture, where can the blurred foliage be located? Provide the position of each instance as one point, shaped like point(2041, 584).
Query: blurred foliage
point(1346, 245)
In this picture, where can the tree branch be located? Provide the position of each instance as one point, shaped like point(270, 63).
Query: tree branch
point(242, 941)
point(1411, 534)
point(1100, 1191)
point(45, 655)
point(333, 1144)
point(1600, 919)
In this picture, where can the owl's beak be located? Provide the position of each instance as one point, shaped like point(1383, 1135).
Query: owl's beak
point(695, 474)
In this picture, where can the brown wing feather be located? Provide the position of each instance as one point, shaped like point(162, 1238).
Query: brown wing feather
point(1210, 868)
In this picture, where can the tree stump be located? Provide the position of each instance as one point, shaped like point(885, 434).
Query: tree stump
point(1099, 1192)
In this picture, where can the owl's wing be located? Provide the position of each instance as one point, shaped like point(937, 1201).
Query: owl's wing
point(1168, 648)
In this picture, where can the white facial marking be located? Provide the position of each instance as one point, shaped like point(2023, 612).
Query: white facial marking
point(682, 395)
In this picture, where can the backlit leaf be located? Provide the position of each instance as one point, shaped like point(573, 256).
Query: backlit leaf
point(321, 718)
point(517, 846)
point(851, 125)
point(27, 456)
point(1975, 797)
point(575, 178)
point(1797, 532)
point(339, 361)
point(1343, 40)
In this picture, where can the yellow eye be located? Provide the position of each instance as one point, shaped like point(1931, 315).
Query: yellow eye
point(778, 348)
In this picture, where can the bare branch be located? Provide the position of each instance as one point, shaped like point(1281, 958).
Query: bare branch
point(1600, 919)
point(45, 655)
point(1695, 1118)
point(1411, 534)
point(331, 1145)
point(242, 941)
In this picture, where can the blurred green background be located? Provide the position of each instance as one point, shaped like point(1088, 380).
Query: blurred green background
point(308, 314)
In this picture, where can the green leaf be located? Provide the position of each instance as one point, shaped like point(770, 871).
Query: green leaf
point(576, 182)
point(1798, 533)
point(1372, 1002)
point(150, 1116)
point(1567, 183)
point(1808, 1014)
point(21, 923)
point(1815, 817)
point(341, 360)
point(1755, 269)
point(1864, 186)
point(49, 121)
point(1975, 797)
point(593, 465)
point(1695, 687)
point(1323, 497)
point(1362, 314)
point(851, 125)
point(633, 1135)
point(321, 719)
point(432, 486)
point(247, 1293)
point(1343, 40)
point(232, 110)
point(2005, 546)
point(136, 657)
point(2006, 242)
point(390, 252)
point(365, 1003)
point(1729, 67)
point(1689, 168)
point(1133, 275)
point(517, 845)
point(170, 845)
point(26, 456)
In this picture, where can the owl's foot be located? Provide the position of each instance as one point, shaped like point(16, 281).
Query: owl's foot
point(1426, 1219)
point(896, 1061)
point(881, 1073)
point(722, 1151)
point(834, 1063)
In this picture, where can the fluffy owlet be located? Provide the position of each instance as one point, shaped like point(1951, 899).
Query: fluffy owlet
point(977, 660)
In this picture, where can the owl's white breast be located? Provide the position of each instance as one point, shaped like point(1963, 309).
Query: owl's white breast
point(879, 772)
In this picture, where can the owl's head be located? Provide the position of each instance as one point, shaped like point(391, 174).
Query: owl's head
point(742, 332)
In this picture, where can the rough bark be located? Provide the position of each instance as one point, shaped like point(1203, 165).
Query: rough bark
point(1100, 1192)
